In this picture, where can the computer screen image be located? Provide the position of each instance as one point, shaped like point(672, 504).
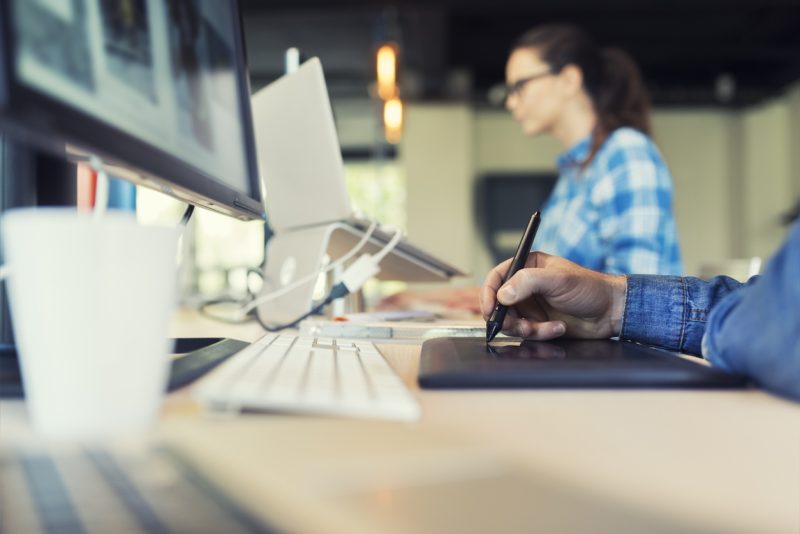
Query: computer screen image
point(158, 89)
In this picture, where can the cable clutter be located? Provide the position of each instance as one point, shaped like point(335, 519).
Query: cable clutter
point(351, 280)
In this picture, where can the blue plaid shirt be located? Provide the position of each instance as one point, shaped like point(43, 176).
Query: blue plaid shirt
point(616, 215)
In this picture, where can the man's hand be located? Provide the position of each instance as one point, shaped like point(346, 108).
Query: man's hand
point(551, 296)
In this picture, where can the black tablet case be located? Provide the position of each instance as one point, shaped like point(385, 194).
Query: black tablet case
point(471, 363)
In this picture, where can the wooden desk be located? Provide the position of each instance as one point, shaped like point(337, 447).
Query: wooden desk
point(655, 461)
point(729, 455)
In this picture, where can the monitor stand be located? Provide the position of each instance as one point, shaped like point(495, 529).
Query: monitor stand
point(293, 254)
point(194, 358)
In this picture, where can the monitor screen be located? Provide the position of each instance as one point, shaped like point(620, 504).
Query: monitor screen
point(157, 88)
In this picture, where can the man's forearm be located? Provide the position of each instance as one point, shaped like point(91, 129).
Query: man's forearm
point(757, 331)
point(671, 311)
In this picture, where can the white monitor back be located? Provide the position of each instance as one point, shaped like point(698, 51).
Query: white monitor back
point(299, 158)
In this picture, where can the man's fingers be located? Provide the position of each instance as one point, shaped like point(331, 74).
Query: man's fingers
point(527, 283)
point(489, 289)
point(496, 276)
point(537, 259)
point(538, 331)
point(513, 291)
point(487, 301)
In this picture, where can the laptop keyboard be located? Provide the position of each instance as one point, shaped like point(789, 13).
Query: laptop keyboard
point(88, 491)
point(311, 375)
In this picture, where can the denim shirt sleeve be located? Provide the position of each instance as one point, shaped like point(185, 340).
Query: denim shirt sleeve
point(672, 311)
point(756, 331)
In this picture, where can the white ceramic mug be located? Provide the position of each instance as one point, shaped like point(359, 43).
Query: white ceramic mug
point(91, 300)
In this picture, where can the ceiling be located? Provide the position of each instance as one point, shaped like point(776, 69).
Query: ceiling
point(691, 52)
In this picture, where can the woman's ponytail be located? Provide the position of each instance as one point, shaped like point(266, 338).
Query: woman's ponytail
point(620, 99)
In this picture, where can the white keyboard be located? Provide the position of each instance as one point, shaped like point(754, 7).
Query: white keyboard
point(303, 374)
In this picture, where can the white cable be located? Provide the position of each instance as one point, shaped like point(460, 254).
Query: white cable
point(312, 276)
point(101, 188)
point(367, 266)
point(352, 279)
point(390, 246)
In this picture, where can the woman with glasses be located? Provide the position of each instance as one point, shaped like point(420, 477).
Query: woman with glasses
point(611, 209)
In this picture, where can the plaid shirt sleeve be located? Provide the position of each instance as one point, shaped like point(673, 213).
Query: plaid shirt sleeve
point(634, 197)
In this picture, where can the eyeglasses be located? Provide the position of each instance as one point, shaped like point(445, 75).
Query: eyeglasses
point(519, 85)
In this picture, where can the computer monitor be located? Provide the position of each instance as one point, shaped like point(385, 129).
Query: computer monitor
point(157, 88)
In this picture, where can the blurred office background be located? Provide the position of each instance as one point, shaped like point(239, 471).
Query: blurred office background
point(724, 79)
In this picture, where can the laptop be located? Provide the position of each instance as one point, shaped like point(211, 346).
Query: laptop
point(308, 206)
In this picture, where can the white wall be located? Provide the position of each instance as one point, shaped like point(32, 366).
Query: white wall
point(768, 189)
point(500, 145)
point(793, 103)
point(734, 173)
point(696, 146)
point(436, 156)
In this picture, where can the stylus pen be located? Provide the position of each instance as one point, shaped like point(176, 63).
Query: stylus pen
point(495, 322)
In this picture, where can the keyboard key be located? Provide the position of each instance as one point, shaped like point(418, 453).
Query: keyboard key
point(324, 342)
